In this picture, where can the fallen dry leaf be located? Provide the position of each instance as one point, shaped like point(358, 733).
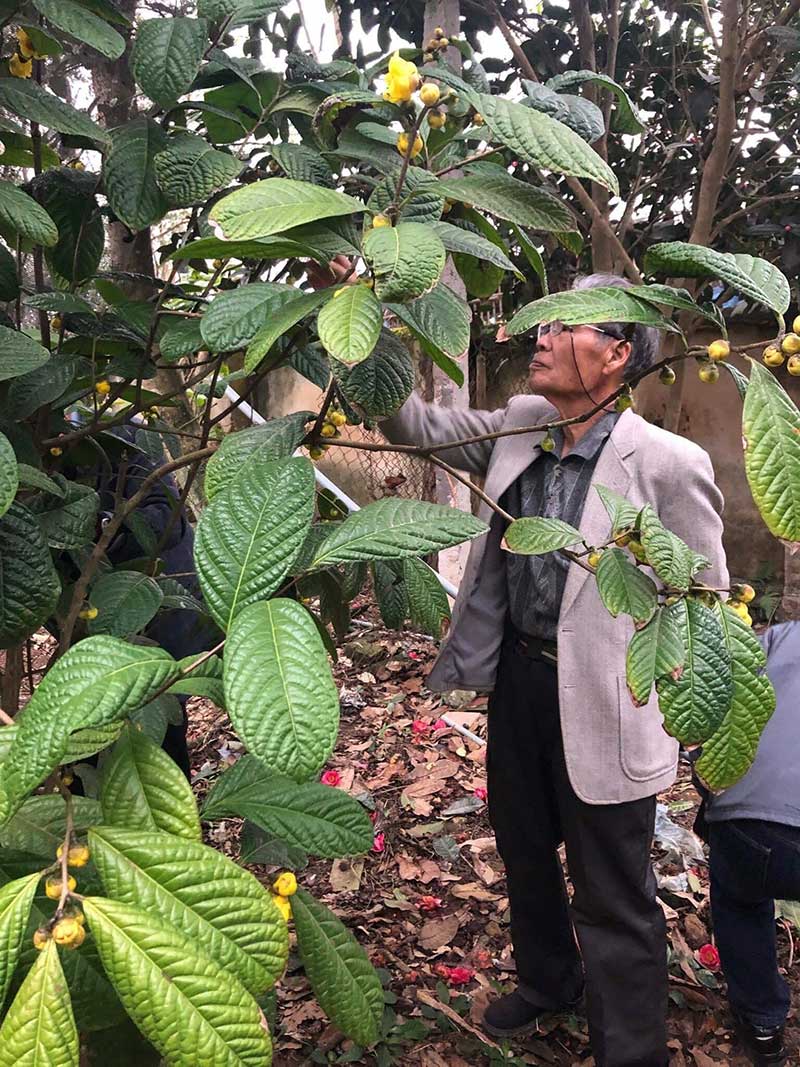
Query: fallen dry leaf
point(436, 933)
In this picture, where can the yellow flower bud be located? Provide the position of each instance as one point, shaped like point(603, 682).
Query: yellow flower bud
point(20, 68)
point(328, 430)
point(283, 906)
point(52, 886)
point(88, 614)
point(69, 933)
point(437, 120)
point(718, 349)
point(772, 356)
point(56, 451)
point(429, 94)
point(403, 143)
point(103, 388)
point(56, 322)
point(41, 937)
point(381, 220)
point(285, 884)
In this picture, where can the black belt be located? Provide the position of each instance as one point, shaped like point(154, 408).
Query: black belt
point(533, 647)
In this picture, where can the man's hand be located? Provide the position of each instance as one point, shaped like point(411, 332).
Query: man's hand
point(321, 277)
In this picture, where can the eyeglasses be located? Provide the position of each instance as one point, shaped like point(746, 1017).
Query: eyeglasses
point(556, 327)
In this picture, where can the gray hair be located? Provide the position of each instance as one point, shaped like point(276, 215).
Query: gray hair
point(645, 340)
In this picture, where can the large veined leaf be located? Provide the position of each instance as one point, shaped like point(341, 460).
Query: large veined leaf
point(205, 680)
point(577, 306)
point(129, 174)
point(95, 682)
point(39, 1027)
point(407, 260)
point(624, 588)
point(394, 529)
point(189, 1007)
point(69, 197)
point(771, 432)
point(344, 981)
point(40, 386)
point(752, 277)
point(669, 556)
point(349, 325)
point(16, 899)
point(9, 282)
point(277, 439)
point(302, 164)
point(439, 319)
point(511, 199)
point(654, 651)
point(29, 584)
point(248, 540)
point(730, 750)
point(536, 536)
point(279, 691)
point(622, 512)
point(427, 601)
point(33, 478)
point(388, 581)
point(19, 354)
point(695, 704)
point(382, 383)
point(456, 239)
point(181, 337)
point(71, 521)
point(421, 200)
point(543, 141)
point(269, 248)
point(277, 204)
point(143, 789)
point(577, 112)
point(28, 100)
point(240, 12)
point(38, 828)
point(166, 56)
point(282, 319)
point(234, 318)
point(83, 25)
point(126, 601)
point(9, 474)
point(82, 743)
point(316, 818)
point(204, 894)
point(626, 118)
point(21, 216)
point(675, 298)
point(188, 170)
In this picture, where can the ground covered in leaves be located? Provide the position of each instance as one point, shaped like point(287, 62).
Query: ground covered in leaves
point(429, 902)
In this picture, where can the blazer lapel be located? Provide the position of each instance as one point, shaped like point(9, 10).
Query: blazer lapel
point(613, 471)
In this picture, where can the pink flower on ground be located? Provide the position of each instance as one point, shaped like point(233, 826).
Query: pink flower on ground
point(379, 843)
point(420, 726)
point(429, 903)
point(373, 816)
point(414, 655)
point(440, 724)
point(708, 957)
point(481, 792)
point(331, 778)
point(460, 975)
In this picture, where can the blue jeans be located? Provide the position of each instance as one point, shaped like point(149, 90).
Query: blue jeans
point(753, 863)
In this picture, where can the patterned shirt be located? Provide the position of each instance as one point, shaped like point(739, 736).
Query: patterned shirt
point(554, 488)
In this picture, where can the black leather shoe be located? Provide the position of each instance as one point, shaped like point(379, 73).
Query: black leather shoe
point(514, 1016)
point(763, 1044)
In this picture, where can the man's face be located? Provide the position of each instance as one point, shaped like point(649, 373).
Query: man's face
point(567, 365)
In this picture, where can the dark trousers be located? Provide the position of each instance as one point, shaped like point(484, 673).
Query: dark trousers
point(752, 863)
point(614, 913)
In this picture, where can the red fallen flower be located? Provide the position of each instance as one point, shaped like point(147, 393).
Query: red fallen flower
point(420, 726)
point(414, 655)
point(429, 903)
point(412, 976)
point(460, 975)
point(331, 778)
point(440, 724)
point(373, 816)
point(442, 970)
point(379, 843)
point(481, 792)
point(708, 957)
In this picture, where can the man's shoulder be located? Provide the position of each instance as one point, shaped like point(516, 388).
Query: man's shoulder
point(525, 409)
point(670, 444)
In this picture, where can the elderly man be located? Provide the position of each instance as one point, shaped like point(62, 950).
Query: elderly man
point(570, 759)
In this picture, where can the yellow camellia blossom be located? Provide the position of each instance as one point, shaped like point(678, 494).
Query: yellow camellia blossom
point(283, 906)
point(403, 142)
point(20, 68)
point(25, 48)
point(401, 81)
point(285, 884)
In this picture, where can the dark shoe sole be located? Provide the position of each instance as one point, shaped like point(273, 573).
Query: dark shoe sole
point(516, 1031)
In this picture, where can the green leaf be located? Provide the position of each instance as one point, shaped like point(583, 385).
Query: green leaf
point(625, 588)
point(129, 173)
point(276, 204)
point(205, 895)
point(511, 199)
point(752, 277)
point(316, 818)
point(536, 536)
point(143, 789)
point(771, 432)
point(28, 100)
point(69, 197)
point(271, 248)
point(674, 298)
point(578, 306)
point(669, 556)
point(182, 337)
point(205, 680)
point(19, 353)
point(189, 170)
point(33, 478)
point(302, 164)
point(731, 749)
point(256, 445)
point(533, 256)
point(391, 592)
point(407, 260)
point(38, 828)
point(428, 605)
point(349, 325)
point(9, 474)
point(41, 386)
point(440, 321)
point(654, 651)
point(241, 12)
point(344, 981)
point(39, 1028)
point(577, 112)
point(382, 383)
point(248, 540)
point(234, 110)
point(29, 584)
point(695, 704)
point(81, 24)
point(126, 601)
point(16, 899)
point(626, 118)
point(622, 513)
point(21, 216)
point(96, 682)
point(283, 318)
point(166, 57)
point(185, 1004)
point(70, 522)
point(279, 691)
point(421, 200)
point(456, 239)
point(543, 141)
point(9, 283)
point(394, 529)
point(233, 318)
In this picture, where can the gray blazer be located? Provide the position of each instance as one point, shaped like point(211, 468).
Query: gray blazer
point(615, 752)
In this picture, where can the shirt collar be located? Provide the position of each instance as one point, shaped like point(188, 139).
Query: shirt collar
point(592, 441)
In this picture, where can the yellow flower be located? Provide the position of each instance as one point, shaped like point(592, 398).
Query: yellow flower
point(285, 884)
point(56, 451)
point(401, 81)
point(283, 906)
point(328, 430)
point(87, 613)
point(103, 388)
point(381, 220)
point(20, 68)
point(429, 94)
point(25, 48)
point(403, 142)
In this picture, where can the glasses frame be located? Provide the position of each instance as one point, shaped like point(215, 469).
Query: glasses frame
point(557, 327)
